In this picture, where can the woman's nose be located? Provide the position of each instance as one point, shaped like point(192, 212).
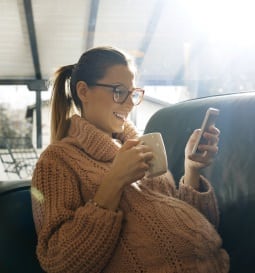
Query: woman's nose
point(129, 101)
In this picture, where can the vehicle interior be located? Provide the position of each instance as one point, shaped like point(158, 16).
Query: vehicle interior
point(189, 57)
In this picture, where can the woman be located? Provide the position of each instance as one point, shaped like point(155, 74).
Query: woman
point(93, 207)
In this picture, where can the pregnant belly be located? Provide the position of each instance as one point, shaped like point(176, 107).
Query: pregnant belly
point(170, 232)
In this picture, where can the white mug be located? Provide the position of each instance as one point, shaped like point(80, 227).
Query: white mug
point(158, 165)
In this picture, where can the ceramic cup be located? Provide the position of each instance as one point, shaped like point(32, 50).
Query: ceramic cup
point(159, 162)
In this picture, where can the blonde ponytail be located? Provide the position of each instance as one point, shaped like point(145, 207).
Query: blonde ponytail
point(61, 103)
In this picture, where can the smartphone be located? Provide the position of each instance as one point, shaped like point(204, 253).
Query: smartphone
point(209, 119)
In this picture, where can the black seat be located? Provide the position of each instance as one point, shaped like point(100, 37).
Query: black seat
point(17, 232)
point(232, 174)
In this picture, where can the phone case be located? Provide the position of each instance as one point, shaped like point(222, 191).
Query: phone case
point(209, 119)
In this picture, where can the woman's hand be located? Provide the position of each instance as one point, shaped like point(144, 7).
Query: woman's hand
point(131, 162)
point(195, 162)
point(129, 165)
point(207, 151)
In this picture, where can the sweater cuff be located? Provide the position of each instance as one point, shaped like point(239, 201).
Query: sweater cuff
point(204, 199)
point(204, 186)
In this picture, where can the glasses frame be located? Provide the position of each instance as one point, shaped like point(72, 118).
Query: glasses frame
point(115, 86)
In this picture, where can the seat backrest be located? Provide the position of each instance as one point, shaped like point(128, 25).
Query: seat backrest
point(232, 173)
point(17, 231)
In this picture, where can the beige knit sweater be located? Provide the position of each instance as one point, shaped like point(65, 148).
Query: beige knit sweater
point(158, 228)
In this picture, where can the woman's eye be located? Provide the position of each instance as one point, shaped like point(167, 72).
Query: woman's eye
point(120, 92)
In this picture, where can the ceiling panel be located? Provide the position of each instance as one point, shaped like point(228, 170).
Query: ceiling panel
point(15, 54)
point(167, 38)
point(61, 30)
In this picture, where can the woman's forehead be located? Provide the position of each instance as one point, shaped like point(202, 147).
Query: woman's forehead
point(118, 73)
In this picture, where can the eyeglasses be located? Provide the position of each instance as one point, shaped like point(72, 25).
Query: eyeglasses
point(121, 93)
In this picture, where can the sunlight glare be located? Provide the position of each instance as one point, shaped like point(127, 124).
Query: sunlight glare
point(37, 195)
point(224, 21)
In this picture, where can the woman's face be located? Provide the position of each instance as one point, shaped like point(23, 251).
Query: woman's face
point(99, 107)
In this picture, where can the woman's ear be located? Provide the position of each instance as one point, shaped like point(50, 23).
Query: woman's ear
point(82, 90)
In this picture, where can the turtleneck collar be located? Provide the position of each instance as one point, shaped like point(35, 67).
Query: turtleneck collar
point(94, 141)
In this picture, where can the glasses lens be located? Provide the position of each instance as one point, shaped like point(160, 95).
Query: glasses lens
point(120, 94)
point(137, 96)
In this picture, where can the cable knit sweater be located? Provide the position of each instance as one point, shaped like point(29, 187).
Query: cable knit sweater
point(158, 228)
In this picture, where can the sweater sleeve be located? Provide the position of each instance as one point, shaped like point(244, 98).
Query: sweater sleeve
point(73, 235)
point(203, 200)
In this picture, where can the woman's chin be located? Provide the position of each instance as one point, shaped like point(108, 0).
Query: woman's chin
point(119, 129)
